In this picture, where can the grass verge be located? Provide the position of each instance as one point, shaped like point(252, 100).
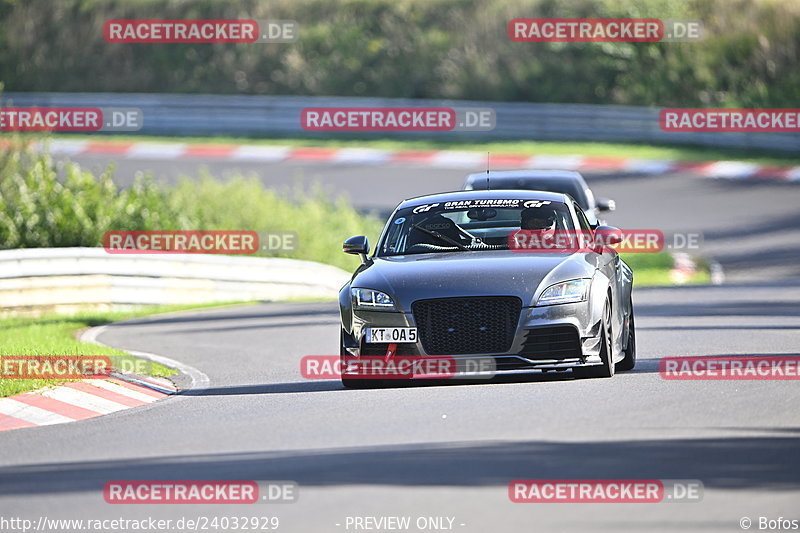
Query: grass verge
point(653, 270)
point(54, 334)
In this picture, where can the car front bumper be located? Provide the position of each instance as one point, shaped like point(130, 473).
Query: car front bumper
point(518, 359)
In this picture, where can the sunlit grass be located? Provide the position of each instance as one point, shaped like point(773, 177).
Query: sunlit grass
point(55, 334)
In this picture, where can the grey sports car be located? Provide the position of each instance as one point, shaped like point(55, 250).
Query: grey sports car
point(445, 281)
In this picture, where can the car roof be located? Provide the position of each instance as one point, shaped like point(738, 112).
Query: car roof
point(529, 173)
point(455, 196)
point(566, 181)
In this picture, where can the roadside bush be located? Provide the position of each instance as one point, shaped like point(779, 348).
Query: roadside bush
point(47, 205)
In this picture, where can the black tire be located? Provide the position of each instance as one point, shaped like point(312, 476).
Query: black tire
point(608, 367)
point(630, 351)
point(606, 344)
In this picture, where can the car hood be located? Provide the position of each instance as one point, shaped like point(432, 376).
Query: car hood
point(487, 273)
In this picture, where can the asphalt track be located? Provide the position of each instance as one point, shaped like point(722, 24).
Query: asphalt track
point(452, 450)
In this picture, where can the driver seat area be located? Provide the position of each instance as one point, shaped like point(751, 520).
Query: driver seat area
point(436, 223)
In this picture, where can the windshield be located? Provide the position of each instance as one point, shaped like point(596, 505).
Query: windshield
point(469, 225)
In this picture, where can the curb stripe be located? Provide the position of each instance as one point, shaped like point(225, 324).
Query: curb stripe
point(649, 166)
point(732, 169)
point(121, 399)
point(694, 166)
point(363, 156)
point(124, 391)
point(83, 399)
point(775, 173)
point(316, 154)
point(62, 146)
point(55, 406)
point(566, 162)
point(260, 153)
point(603, 162)
point(74, 401)
point(209, 150)
point(9, 422)
point(156, 151)
point(28, 413)
point(412, 156)
point(793, 174)
point(108, 148)
point(452, 159)
point(142, 390)
point(735, 170)
point(508, 160)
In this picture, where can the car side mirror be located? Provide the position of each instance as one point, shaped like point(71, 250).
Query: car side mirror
point(606, 204)
point(357, 245)
point(606, 236)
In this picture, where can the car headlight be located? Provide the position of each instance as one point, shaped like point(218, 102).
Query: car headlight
point(371, 299)
point(566, 292)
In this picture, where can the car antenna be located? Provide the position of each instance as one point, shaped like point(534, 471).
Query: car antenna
point(487, 171)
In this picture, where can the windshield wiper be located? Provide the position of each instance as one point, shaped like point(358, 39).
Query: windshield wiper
point(441, 237)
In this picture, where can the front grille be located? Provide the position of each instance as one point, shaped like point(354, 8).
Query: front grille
point(556, 342)
point(484, 325)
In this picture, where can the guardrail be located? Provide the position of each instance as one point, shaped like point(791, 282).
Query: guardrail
point(182, 114)
point(68, 279)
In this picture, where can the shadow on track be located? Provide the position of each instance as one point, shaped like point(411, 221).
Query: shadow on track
point(758, 462)
point(336, 385)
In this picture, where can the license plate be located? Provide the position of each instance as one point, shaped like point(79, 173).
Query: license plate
point(377, 335)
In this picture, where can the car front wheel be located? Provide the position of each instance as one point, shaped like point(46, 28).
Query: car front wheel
point(606, 370)
point(630, 350)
